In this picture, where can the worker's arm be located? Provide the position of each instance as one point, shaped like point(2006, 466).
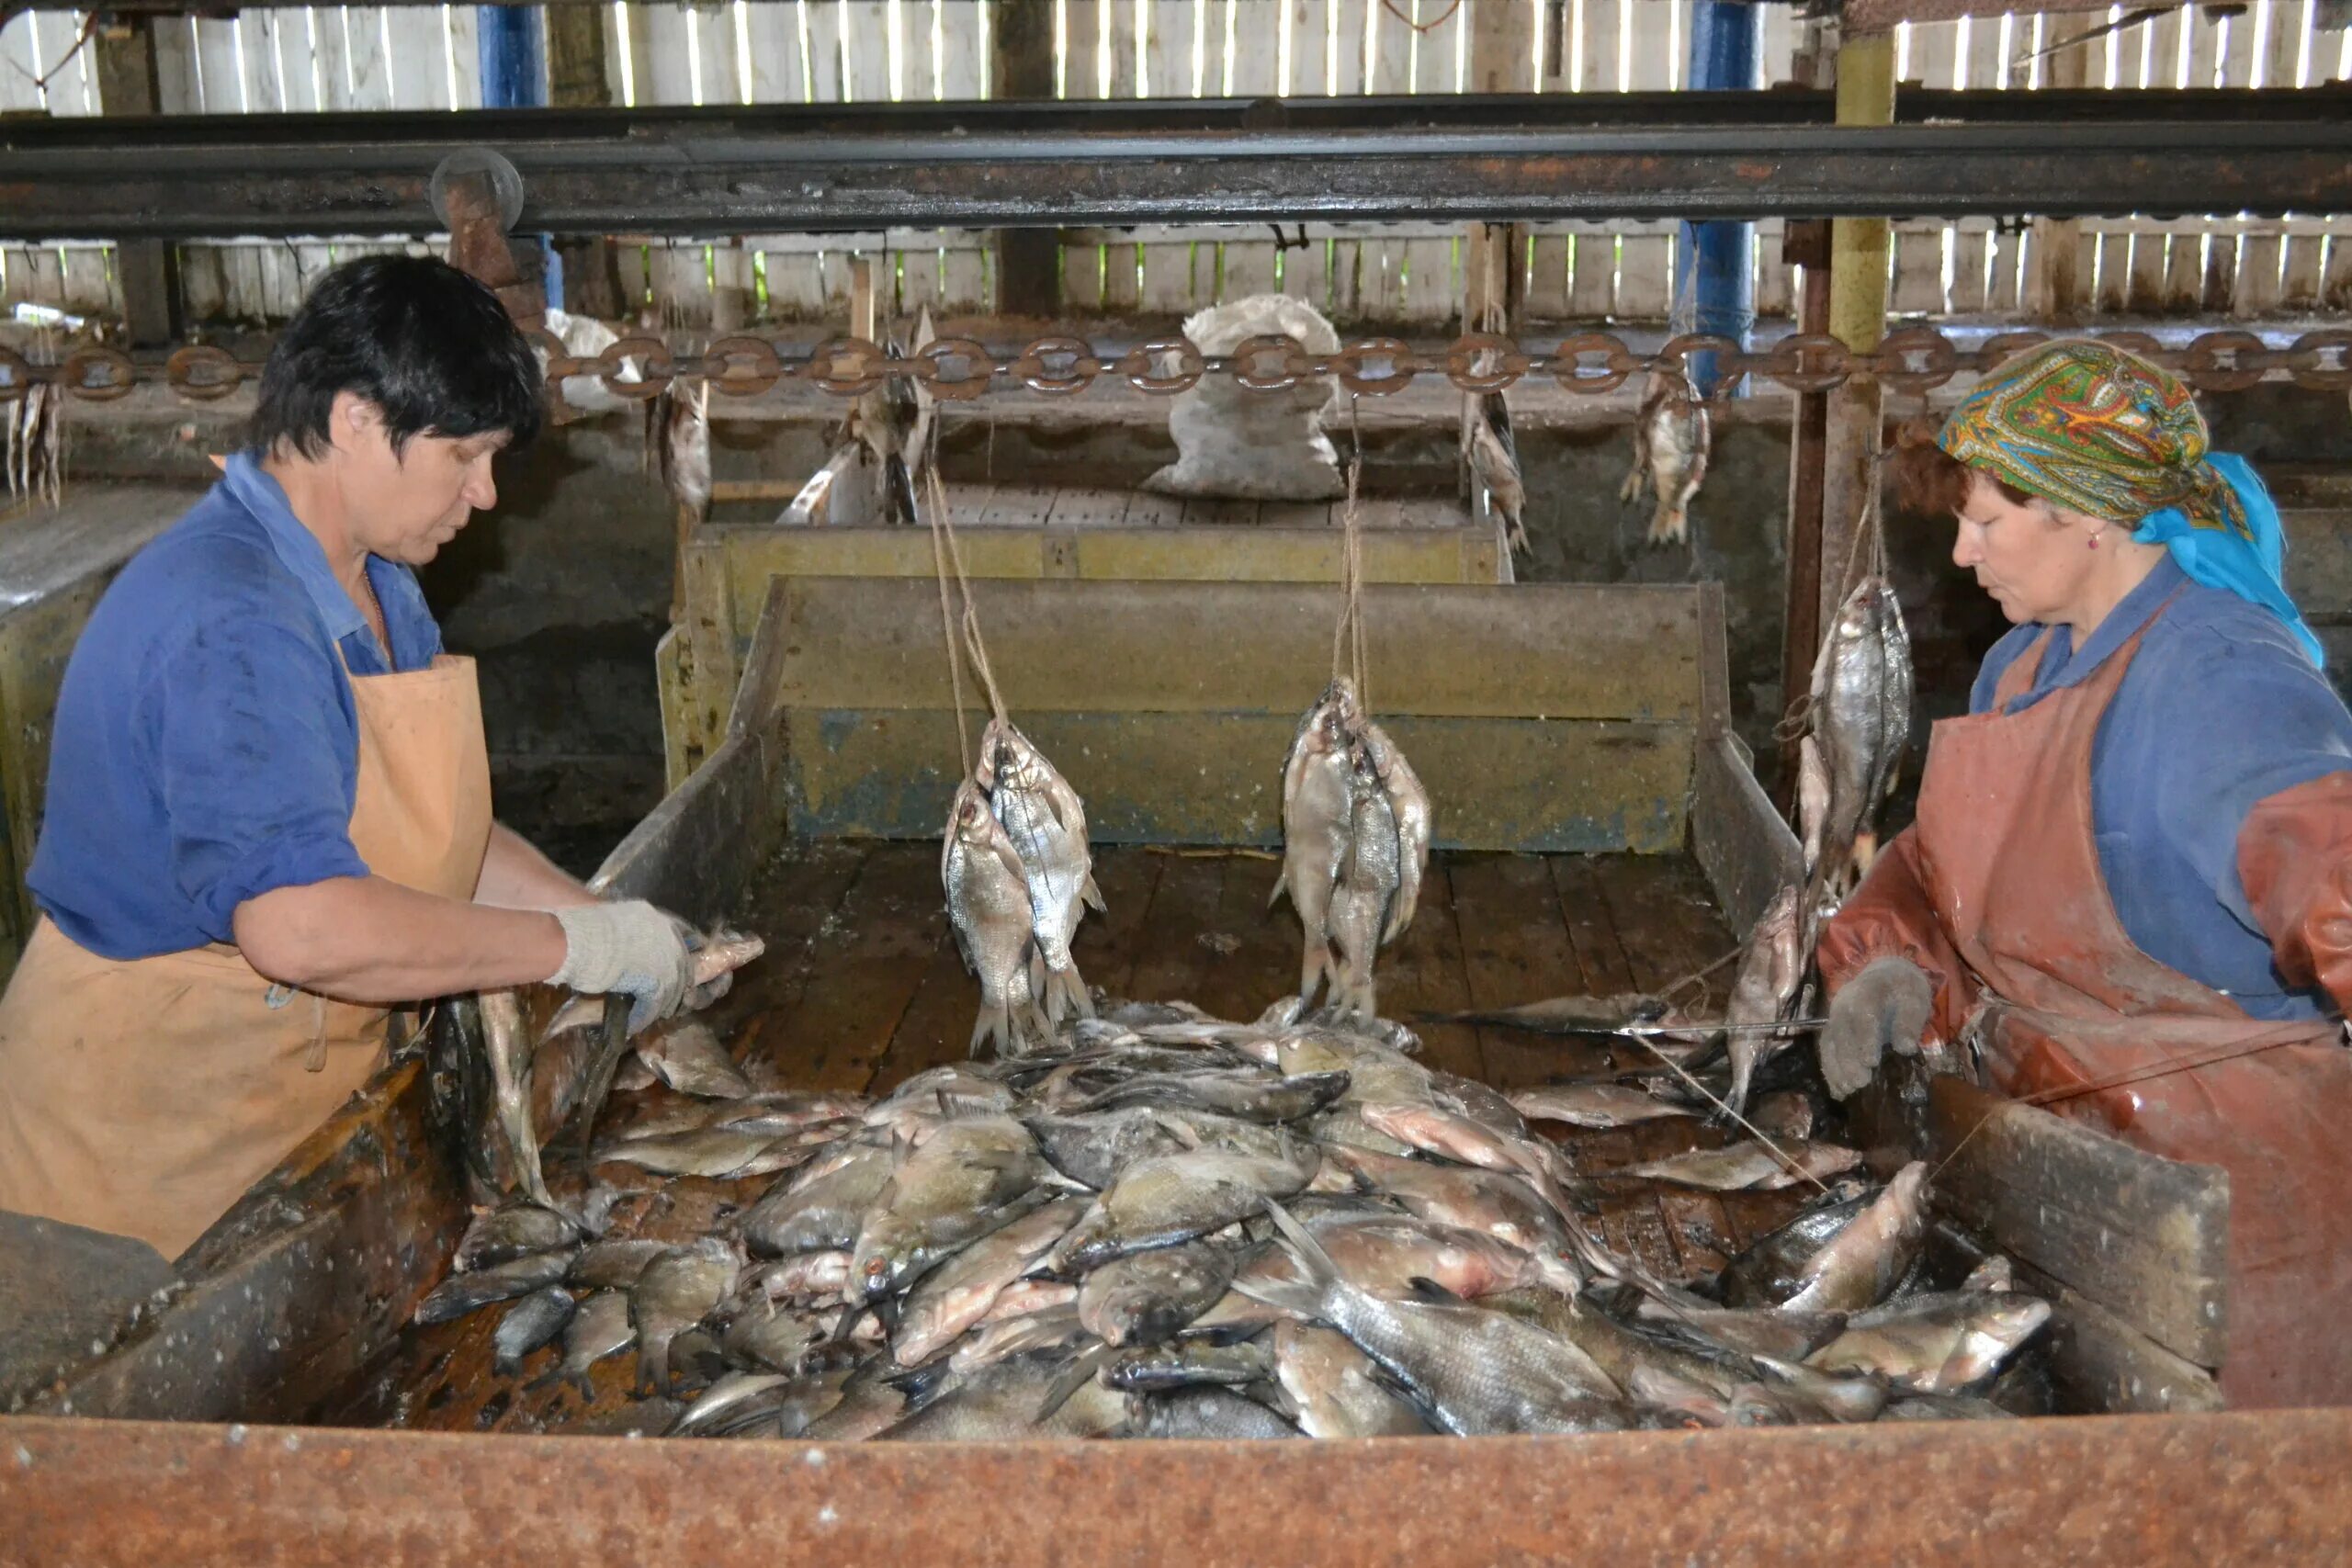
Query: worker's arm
point(363, 939)
point(2295, 862)
point(515, 875)
point(1890, 916)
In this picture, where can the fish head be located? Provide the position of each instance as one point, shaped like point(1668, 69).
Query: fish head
point(969, 819)
point(1009, 761)
point(883, 1258)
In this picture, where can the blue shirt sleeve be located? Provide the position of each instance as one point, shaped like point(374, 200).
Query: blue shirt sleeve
point(251, 736)
point(2250, 717)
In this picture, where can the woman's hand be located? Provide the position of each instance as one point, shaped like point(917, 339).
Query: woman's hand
point(1884, 1008)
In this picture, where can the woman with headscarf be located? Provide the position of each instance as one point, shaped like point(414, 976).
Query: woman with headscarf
point(2130, 879)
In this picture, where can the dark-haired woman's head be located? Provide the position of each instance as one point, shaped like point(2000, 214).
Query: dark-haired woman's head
point(395, 385)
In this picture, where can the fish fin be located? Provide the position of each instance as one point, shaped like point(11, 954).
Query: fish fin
point(1072, 1377)
point(1065, 993)
point(1281, 887)
point(1093, 895)
point(1427, 1290)
point(1320, 1270)
point(922, 1384)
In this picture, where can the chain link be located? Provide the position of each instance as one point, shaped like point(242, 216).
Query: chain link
point(1910, 360)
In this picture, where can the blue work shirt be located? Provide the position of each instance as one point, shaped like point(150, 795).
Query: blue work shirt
point(206, 749)
point(2221, 710)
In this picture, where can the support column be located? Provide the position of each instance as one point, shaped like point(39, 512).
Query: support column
point(1717, 270)
point(511, 41)
point(2056, 280)
point(1495, 280)
point(1028, 261)
point(1858, 258)
point(579, 77)
point(149, 270)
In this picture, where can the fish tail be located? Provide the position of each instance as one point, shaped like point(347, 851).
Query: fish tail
point(993, 1027)
point(1064, 994)
point(1093, 895)
point(1282, 885)
point(1315, 967)
point(1670, 524)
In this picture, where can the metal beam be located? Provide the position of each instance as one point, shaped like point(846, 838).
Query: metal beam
point(2136, 1492)
point(734, 171)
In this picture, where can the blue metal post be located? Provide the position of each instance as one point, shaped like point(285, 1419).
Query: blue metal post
point(513, 49)
point(1718, 260)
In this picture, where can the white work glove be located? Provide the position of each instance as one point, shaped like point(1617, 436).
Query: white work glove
point(632, 948)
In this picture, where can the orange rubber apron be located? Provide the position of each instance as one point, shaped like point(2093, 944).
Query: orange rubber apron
point(2009, 857)
point(145, 1096)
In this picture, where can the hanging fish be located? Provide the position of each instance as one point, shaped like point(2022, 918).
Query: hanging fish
point(1861, 721)
point(1769, 968)
point(682, 411)
point(987, 904)
point(1046, 821)
point(1672, 435)
point(1494, 459)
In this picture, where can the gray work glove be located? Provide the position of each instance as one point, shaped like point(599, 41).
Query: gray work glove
point(632, 948)
point(1884, 1008)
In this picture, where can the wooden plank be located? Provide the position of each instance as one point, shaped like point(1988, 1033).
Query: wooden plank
point(711, 641)
point(1970, 260)
point(936, 1027)
point(1167, 47)
point(1515, 949)
point(1109, 945)
point(1592, 275)
point(866, 51)
point(1423, 972)
point(1661, 35)
point(2100, 1363)
point(794, 902)
point(1432, 281)
point(1747, 851)
point(1184, 909)
point(1663, 919)
point(777, 68)
point(1556, 649)
point(1252, 948)
point(2146, 292)
point(2184, 271)
point(218, 68)
point(1252, 61)
point(822, 47)
point(1214, 778)
point(864, 969)
point(2299, 286)
point(417, 58)
point(1547, 279)
point(2144, 1236)
point(1919, 268)
point(1248, 269)
point(1076, 508)
point(2259, 259)
point(1390, 50)
point(1167, 278)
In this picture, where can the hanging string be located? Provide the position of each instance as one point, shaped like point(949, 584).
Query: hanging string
point(947, 621)
point(972, 642)
point(1347, 638)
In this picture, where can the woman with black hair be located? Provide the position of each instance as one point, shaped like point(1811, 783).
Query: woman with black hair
point(268, 816)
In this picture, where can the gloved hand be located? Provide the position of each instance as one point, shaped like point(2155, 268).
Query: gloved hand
point(1885, 1006)
point(632, 948)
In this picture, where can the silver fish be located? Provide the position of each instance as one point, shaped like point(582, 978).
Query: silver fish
point(956, 1188)
point(720, 1153)
point(1370, 873)
point(462, 1293)
point(1948, 1343)
point(1335, 1388)
point(1046, 821)
point(688, 1057)
point(614, 1265)
point(1593, 1105)
point(1202, 1411)
point(1001, 1401)
point(1673, 437)
point(599, 1327)
point(997, 1339)
point(1416, 821)
point(498, 1235)
point(959, 1292)
point(1857, 1269)
point(1148, 1297)
point(1318, 808)
point(683, 413)
point(1748, 1167)
point(818, 1210)
point(673, 1295)
point(1154, 1369)
point(1769, 969)
point(987, 904)
point(1471, 1370)
point(1386, 1253)
point(1494, 457)
point(1860, 718)
point(509, 1044)
point(1158, 1203)
point(777, 1341)
point(1483, 1201)
point(530, 1322)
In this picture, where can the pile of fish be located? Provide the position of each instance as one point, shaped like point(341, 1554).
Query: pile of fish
point(1019, 876)
point(1355, 842)
point(1157, 1223)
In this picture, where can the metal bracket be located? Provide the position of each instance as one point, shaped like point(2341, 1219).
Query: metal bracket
point(505, 183)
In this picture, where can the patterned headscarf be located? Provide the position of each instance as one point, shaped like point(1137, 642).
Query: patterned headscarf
point(2102, 432)
point(2096, 430)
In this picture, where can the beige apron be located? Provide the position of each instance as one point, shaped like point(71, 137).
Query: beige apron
point(143, 1097)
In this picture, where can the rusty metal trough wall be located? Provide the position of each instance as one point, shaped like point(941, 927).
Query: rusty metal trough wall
point(2132, 1492)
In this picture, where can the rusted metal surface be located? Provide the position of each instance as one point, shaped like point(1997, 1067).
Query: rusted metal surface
point(852, 169)
point(2128, 1491)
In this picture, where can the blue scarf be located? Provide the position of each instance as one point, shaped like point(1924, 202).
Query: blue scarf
point(2250, 568)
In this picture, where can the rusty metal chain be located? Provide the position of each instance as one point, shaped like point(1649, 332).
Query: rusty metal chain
point(1914, 360)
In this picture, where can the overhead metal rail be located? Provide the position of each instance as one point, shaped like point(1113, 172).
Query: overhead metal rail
point(1635, 156)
